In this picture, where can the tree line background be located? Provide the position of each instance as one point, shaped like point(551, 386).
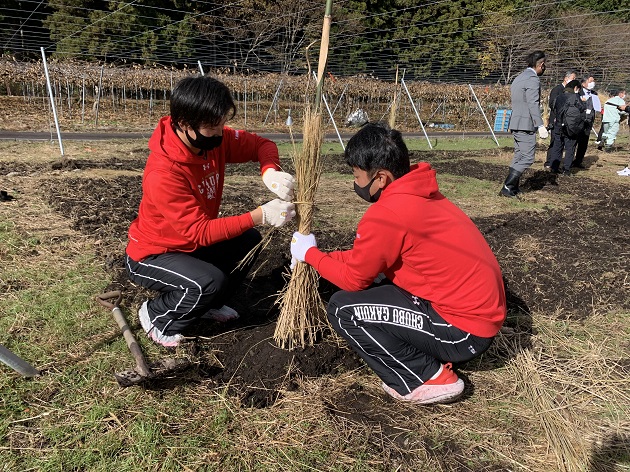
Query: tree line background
point(441, 41)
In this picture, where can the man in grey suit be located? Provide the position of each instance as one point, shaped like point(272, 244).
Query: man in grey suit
point(525, 120)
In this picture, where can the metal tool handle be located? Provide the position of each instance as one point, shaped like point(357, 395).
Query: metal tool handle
point(104, 299)
point(17, 363)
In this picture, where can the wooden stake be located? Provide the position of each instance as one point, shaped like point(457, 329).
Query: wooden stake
point(392, 111)
point(323, 54)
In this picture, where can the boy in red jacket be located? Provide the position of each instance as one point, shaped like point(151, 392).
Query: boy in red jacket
point(443, 299)
point(178, 245)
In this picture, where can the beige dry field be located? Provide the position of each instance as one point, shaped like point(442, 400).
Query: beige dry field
point(552, 394)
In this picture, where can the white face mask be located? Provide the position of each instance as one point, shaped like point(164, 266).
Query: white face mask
point(590, 85)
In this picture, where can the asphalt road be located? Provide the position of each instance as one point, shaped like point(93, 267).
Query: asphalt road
point(103, 135)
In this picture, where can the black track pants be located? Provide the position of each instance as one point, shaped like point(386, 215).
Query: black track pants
point(400, 336)
point(190, 283)
point(582, 145)
point(561, 142)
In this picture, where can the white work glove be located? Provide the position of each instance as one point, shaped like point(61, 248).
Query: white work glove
point(280, 183)
point(542, 132)
point(300, 243)
point(277, 212)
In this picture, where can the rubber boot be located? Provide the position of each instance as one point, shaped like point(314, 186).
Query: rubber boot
point(510, 186)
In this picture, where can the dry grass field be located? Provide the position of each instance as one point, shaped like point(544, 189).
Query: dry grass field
point(552, 393)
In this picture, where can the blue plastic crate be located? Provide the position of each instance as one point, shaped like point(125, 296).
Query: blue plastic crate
point(502, 120)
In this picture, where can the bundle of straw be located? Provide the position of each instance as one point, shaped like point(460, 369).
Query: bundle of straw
point(301, 308)
point(302, 311)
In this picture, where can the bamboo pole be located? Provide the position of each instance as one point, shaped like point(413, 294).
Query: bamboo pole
point(392, 112)
point(323, 53)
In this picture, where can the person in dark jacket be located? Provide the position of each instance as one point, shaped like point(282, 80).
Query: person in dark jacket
point(593, 106)
point(443, 298)
point(564, 139)
point(554, 153)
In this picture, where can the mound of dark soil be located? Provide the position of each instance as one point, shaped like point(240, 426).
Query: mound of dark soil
point(245, 354)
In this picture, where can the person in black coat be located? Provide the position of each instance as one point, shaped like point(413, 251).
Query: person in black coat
point(554, 152)
point(593, 106)
point(563, 139)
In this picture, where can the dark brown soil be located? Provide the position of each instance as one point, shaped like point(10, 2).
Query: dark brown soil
point(578, 269)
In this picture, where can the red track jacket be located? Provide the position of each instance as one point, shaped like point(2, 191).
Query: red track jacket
point(427, 246)
point(181, 192)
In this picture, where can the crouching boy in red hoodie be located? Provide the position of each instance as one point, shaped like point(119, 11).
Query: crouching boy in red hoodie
point(178, 245)
point(443, 299)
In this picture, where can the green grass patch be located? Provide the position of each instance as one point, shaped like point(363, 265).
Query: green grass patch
point(446, 143)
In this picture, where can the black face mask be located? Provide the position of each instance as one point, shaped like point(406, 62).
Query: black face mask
point(364, 192)
point(205, 143)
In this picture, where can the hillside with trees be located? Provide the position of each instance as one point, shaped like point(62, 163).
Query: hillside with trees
point(454, 41)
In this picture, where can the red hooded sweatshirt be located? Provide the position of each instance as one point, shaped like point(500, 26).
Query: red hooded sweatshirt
point(427, 246)
point(181, 192)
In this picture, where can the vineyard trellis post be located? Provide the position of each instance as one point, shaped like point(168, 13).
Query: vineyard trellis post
point(340, 98)
point(415, 110)
point(69, 91)
point(440, 105)
point(330, 115)
point(98, 96)
point(151, 100)
point(484, 115)
point(57, 89)
point(82, 98)
point(245, 104)
point(52, 101)
point(273, 102)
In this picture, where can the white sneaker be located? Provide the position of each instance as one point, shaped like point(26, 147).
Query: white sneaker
point(154, 333)
point(624, 172)
point(222, 315)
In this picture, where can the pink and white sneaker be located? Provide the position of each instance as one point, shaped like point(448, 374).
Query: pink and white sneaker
point(154, 333)
point(444, 388)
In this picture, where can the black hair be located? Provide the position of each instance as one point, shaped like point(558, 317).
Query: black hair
point(572, 84)
point(585, 78)
point(376, 146)
point(201, 100)
point(533, 58)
